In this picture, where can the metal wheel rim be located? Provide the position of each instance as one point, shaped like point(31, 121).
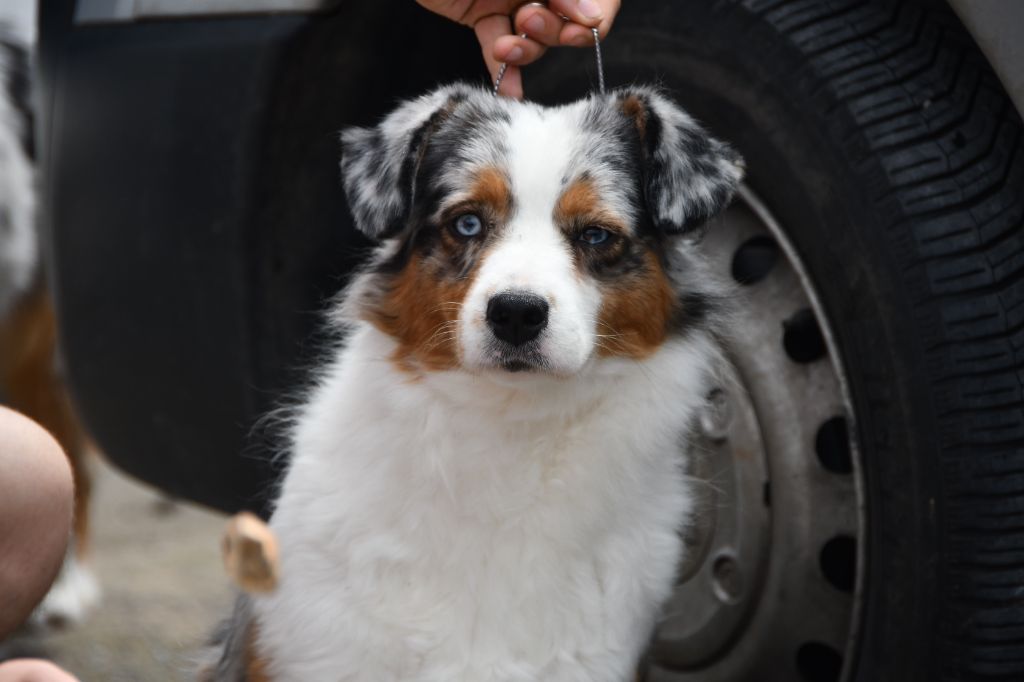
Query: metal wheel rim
point(772, 584)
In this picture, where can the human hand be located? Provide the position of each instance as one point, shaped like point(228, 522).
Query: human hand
point(544, 27)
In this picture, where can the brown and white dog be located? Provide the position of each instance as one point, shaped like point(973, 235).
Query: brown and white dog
point(29, 377)
point(487, 481)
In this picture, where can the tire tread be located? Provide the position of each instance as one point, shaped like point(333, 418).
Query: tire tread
point(930, 126)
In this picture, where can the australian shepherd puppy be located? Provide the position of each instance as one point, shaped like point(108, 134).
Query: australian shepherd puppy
point(487, 481)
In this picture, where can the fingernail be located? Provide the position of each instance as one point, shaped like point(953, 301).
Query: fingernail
point(515, 54)
point(580, 41)
point(590, 9)
point(534, 24)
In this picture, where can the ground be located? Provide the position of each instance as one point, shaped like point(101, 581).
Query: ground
point(163, 584)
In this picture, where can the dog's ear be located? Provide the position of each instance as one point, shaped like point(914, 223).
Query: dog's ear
point(378, 165)
point(688, 176)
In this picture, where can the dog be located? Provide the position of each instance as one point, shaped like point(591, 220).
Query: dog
point(18, 242)
point(30, 380)
point(486, 482)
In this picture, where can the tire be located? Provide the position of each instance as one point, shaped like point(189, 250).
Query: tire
point(880, 139)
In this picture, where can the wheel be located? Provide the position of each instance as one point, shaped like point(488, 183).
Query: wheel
point(866, 514)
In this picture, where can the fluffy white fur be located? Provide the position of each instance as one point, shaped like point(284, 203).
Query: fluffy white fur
point(477, 528)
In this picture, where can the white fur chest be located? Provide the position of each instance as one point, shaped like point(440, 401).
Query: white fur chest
point(456, 528)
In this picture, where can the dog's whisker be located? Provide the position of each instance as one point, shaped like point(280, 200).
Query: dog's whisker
point(446, 306)
point(442, 334)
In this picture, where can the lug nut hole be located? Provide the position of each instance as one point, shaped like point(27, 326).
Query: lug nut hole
point(838, 561)
point(818, 662)
point(754, 259)
point(801, 337)
point(832, 443)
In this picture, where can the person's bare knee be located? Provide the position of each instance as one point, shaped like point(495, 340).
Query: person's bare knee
point(36, 501)
point(33, 670)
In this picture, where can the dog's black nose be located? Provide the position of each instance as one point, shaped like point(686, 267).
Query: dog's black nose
point(517, 318)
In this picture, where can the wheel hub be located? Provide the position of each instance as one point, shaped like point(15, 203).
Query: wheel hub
point(770, 584)
point(720, 578)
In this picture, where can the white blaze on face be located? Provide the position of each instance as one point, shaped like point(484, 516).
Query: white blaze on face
point(532, 255)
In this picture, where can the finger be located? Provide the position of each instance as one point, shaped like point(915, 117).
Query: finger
point(469, 12)
point(580, 36)
point(512, 83)
point(517, 50)
point(582, 12)
point(539, 23)
point(488, 30)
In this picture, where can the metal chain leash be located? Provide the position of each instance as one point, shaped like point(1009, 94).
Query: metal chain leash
point(600, 64)
point(597, 57)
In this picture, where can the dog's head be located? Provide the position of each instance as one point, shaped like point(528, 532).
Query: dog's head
point(520, 237)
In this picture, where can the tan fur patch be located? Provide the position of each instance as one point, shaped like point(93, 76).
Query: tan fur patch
point(491, 190)
point(580, 204)
point(421, 312)
point(636, 312)
point(579, 198)
point(255, 666)
point(634, 108)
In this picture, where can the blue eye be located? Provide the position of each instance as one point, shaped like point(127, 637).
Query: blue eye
point(594, 236)
point(469, 225)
